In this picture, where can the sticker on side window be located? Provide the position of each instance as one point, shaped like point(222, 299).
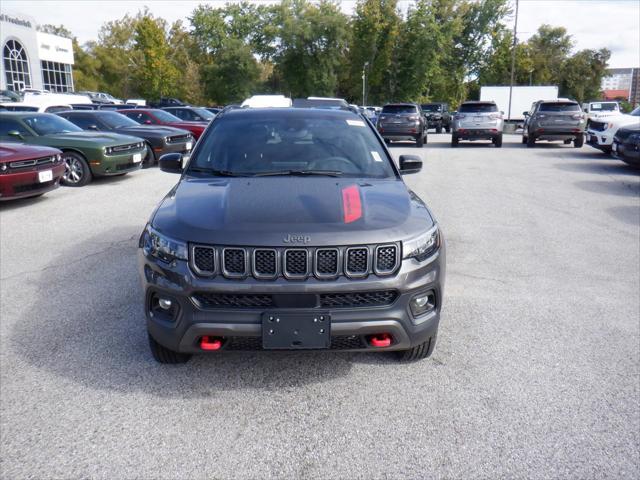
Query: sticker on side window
point(376, 157)
point(355, 123)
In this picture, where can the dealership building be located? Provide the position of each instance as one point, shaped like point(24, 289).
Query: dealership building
point(33, 59)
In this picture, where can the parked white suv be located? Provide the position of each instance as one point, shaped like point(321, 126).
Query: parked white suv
point(600, 132)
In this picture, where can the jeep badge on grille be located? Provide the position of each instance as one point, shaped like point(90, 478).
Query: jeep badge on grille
point(296, 239)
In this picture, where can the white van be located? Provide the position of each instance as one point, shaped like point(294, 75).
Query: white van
point(267, 101)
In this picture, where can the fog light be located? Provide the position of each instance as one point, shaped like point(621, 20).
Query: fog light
point(164, 303)
point(423, 303)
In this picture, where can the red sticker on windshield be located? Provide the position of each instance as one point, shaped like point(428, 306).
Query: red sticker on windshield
point(351, 206)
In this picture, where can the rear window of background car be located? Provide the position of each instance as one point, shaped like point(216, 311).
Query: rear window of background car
point(399, 109)
point(559, 107)
point(478, 107)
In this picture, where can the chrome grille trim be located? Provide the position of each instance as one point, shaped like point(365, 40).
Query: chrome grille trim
point(32, 162)
point(234, 275)
point(379, 271)
point(295, 276)
point(178, 139)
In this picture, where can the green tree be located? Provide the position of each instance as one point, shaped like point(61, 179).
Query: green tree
point(582, 74)
point(375, 26)
point(496, 68)
point(549, 49)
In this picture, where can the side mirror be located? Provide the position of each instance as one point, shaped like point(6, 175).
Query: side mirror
point(410, 164)
point(15, 134)
point(526, 114)
point(92, 127)
point(171, 163)
point(148, 122)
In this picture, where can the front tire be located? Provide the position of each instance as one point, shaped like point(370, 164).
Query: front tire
point(454, 140)
point(77, 172)
point(497, 141)
point(579, 141)
point(439, 128)
point(150, 159)
point(164, 355)
point(419, 352)
point(531, 141)
point(420, 141)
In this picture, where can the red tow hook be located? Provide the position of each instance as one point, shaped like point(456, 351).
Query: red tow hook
point(210, 343)
point(380, 340)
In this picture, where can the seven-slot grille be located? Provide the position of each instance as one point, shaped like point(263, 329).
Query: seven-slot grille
point(295, 263)
point(597, 126)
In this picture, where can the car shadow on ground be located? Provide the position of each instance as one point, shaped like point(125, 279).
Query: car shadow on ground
point(86, 323)
point(629, 214)
point(22, 202)
point(600, 164)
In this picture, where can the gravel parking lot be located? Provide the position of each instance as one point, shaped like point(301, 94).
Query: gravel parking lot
point(535, 374)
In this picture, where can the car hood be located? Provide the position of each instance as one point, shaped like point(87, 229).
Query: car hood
point(188, 124)
point(151, 131)
point(314, 210)
point(89, 139)
point(14, 152)
point(622, 121)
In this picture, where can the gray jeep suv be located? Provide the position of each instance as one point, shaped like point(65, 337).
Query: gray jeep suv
point(477, 121)
point(554, 120)
point(403, 121)
point(291, 228)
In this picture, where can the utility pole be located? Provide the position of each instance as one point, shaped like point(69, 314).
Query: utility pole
point(364, 84)
point(513, 59)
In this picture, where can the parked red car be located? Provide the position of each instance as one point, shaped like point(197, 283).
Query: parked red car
point(28, 170)
point(155, 116)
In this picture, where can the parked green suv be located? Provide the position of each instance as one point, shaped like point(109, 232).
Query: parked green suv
point(86, 154)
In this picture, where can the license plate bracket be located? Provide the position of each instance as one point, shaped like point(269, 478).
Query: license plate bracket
point(296, 331)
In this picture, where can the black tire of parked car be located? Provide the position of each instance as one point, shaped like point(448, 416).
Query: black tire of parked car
point(419, 352)
point(150, 158)
point(454, 140)
point(164, 355)
point(531, 141)
point(567, 142)
point(497, 141)
point(420, 141)
point(439, 128)
point(447, 129)
point(76, 166)
point(579, 141)
point(524, 140)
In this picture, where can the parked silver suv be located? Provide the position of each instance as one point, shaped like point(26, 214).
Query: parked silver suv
point(551, 120)
point(477, 121)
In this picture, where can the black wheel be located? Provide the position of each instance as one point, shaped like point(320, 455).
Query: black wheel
point(419, 352)
point(579, 141)
point(447, 129)
point(524, 139)
point(387, 141)
point(497, 141)
point(531, 141)
point(164, 355)
point(454, 140)
point(150, 158)
point(76, 173)
point(419, 141)
point(566, 142)
point(439, 128)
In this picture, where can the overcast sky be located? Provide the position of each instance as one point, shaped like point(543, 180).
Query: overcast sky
point(592, 23)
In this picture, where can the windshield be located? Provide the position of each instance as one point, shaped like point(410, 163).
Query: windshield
point(636, 112)
point(559, 107)
point(399, 109)
point(478, 107)
point(48, 124)
point(165, 116)
point(431, 108)
point(288, 143)
point(204, 113)
point(604, 107)
point(117, 120)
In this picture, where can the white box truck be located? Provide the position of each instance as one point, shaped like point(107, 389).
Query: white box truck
point(521, 99)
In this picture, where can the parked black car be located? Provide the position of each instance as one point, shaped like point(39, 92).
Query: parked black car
point(402, 121)
point(191, 114)
point(626, 145)
point(166, 102)
point(291, 228)
point(437, 115)
point(159, 139)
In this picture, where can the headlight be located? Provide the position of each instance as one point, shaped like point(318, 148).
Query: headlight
point(423, 246)
point(108, 150)
point(162, 247)
point(58, 157)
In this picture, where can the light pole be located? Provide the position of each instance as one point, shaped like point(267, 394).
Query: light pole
point(513, 58)
point(364, 84)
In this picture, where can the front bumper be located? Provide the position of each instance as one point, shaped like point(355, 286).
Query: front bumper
point(27, 183)
point(174, 148)
point(599, 139)
point(116, 164)
point(349, 326)
point(628, 153)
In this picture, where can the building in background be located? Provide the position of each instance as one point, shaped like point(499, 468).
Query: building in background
point(634, 95)
point(32, 59)
point(621, 83)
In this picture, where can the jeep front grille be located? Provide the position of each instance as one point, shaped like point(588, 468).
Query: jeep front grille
point(326, 263)
point(597, 126)
point(358, 299)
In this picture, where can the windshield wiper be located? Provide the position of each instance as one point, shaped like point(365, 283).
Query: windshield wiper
point(299, 173)
point(217, 173)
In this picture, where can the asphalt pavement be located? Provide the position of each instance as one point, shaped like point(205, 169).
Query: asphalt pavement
point(536, 372)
